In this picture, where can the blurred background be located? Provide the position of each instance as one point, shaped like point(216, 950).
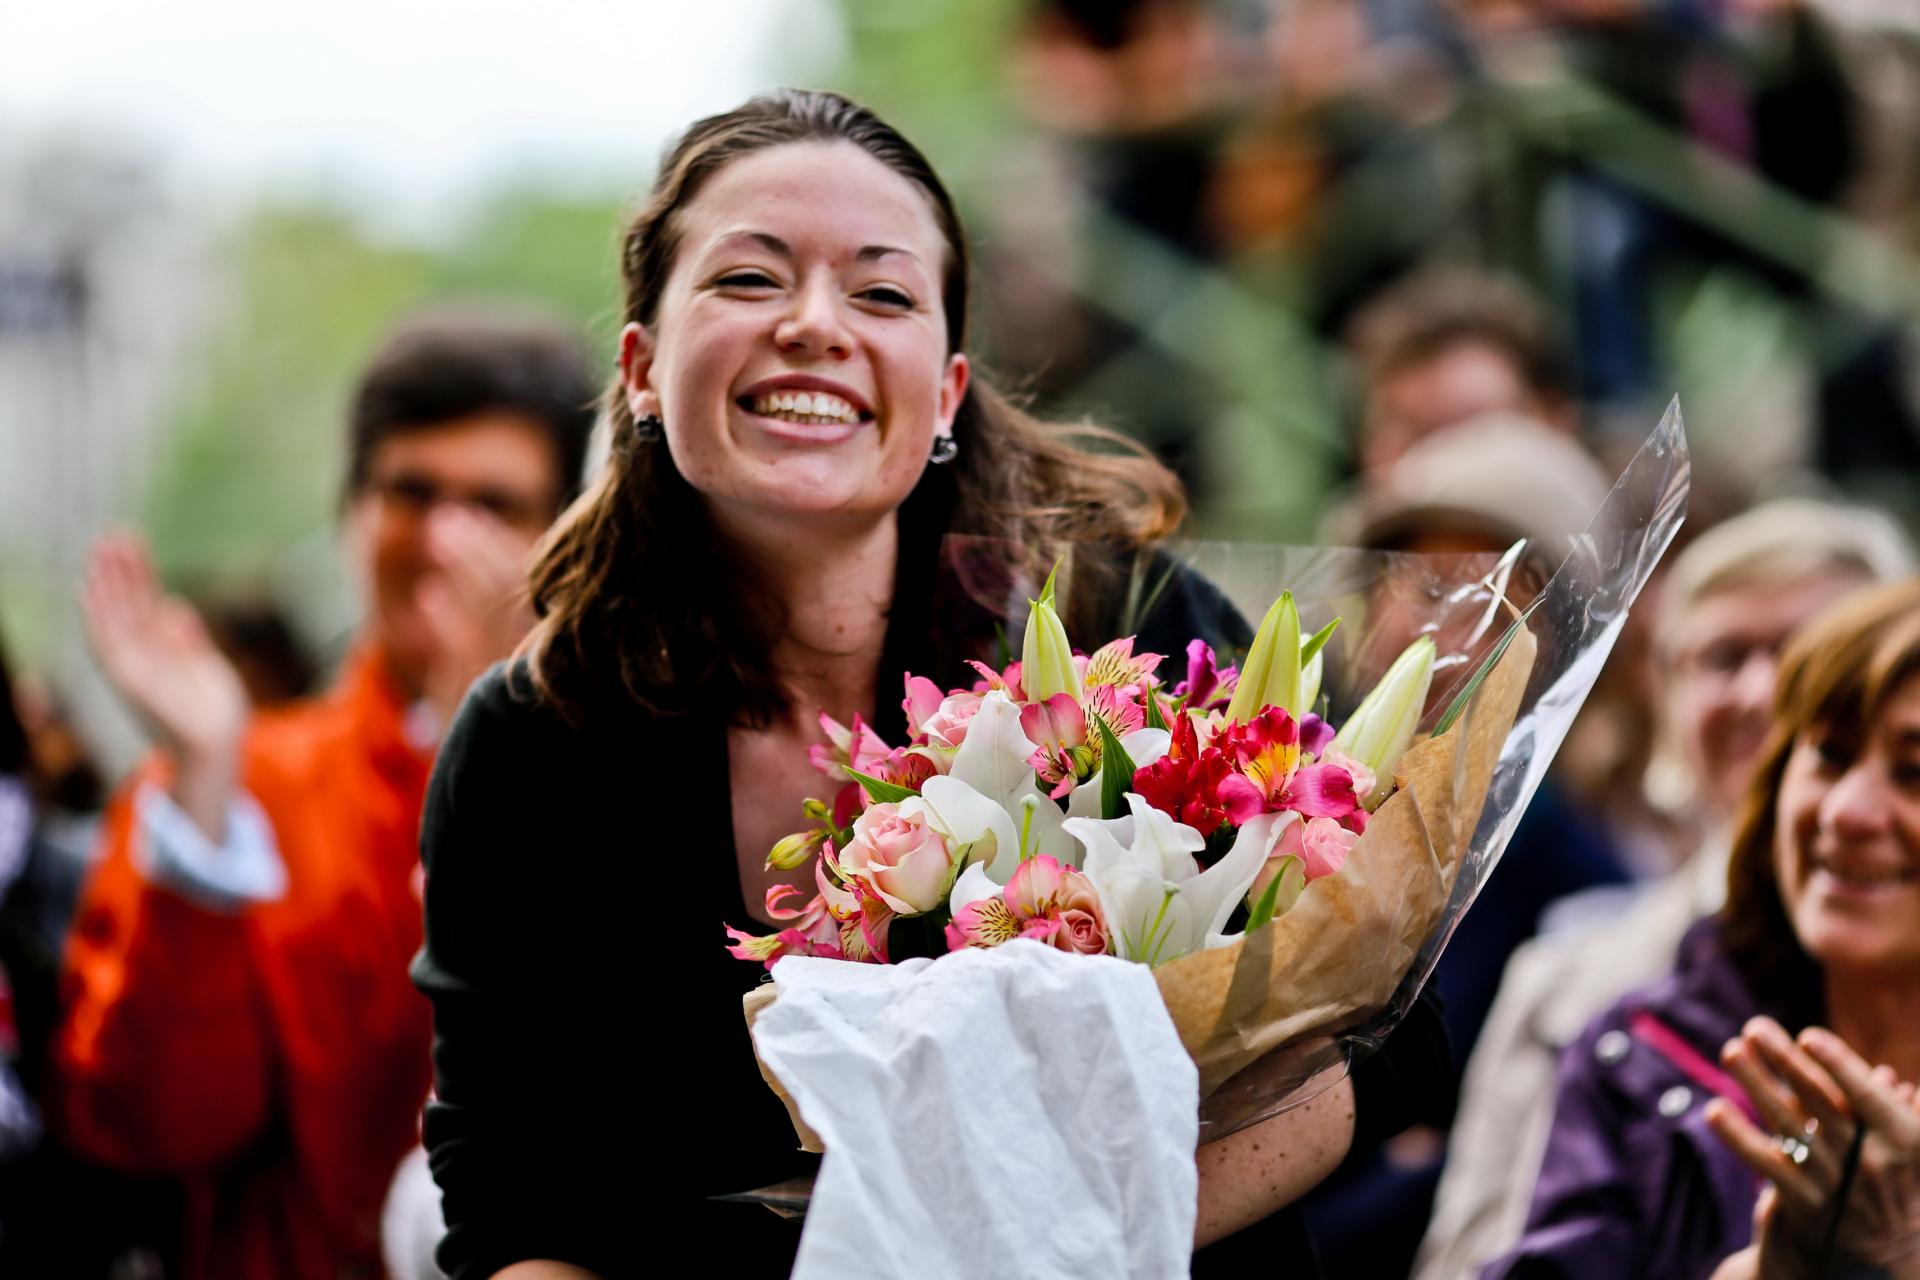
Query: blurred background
point(1184, 212)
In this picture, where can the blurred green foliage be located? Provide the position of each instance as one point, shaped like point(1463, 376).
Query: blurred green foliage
point(250, 461)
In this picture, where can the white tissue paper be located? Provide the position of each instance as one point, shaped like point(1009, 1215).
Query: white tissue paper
point(1017, 1111)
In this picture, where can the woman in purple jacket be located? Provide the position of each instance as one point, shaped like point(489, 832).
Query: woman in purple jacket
point(1684, 1100)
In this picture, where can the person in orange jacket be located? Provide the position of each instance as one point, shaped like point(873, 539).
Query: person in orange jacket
point(237, 1012)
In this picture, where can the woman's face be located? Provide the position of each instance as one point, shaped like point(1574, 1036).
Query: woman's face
point(1847, 842)
point(1725, 650)
point(798, 356)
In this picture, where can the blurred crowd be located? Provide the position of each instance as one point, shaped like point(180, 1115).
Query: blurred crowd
point(1493, 221)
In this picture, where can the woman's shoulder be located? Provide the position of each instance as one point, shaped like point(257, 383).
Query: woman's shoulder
point(508, 720)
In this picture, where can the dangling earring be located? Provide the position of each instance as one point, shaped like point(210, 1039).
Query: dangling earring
point(945, 450)
point(649, 429)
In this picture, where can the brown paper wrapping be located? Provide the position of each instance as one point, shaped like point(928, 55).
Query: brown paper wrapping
point(1342, 949)
point(755, 1003)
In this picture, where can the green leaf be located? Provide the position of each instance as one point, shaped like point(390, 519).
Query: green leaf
point(1263, 909)
point(1116, 772)
point(1319, 642)
point(1154, 719)
point(1459, 704)
point(1287, 883)
point(882, 792)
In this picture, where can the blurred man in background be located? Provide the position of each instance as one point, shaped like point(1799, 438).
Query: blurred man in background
point(1447, 346)
point(237, 1011)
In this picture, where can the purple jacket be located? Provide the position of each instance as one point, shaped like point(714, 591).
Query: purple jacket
point(1633, 1184)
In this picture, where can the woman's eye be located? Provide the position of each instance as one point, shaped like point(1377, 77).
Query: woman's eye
point(1834, 755)
point(887, 296)
point(746, 280)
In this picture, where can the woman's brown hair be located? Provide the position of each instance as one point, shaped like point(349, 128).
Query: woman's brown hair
point(636, 595)
point(1835, 677)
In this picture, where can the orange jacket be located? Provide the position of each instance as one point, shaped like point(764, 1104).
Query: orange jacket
point(275, 1060)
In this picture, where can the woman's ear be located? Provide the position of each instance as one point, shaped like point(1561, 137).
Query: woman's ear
point(953, 389)
point(636, 370)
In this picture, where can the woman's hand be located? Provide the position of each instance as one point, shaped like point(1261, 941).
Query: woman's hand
point(157, 655)
point(1816, 1092)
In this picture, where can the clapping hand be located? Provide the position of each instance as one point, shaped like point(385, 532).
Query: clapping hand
point(157, 655)
point(1815, 1093)
point(475, 603)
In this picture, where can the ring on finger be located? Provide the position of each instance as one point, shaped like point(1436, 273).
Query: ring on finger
point(1793, 1147)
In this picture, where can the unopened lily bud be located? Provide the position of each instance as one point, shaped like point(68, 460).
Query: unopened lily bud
point(1382, 727)
point(1046, 659)
point(1270, 677)
point(794, 850)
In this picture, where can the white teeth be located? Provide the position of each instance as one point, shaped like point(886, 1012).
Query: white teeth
point(815, 408)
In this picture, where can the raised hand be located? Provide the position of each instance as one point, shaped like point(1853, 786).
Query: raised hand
point(475, 605)
point(1817, 1091)
point(157, 655)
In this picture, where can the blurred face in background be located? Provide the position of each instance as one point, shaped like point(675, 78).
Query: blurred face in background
point(1720, 676)
point(1454, 384)
point(498, 470)
point(1847, 841)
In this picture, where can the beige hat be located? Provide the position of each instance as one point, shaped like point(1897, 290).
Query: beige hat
point(1502, 476)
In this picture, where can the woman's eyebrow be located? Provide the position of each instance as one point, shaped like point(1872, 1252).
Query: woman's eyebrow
point(774, 244)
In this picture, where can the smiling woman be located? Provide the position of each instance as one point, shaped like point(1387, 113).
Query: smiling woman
point(1651, 1165)
point(797, 427)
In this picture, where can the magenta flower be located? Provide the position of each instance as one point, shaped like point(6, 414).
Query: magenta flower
point(1206, 686)
point(1267, 776)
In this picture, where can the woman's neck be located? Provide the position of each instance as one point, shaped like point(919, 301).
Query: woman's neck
point(835, 588)
point(1874, 1014)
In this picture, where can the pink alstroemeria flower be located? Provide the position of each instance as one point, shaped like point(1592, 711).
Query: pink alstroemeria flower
point(814, 931)
point(1116, 664)
point(860, 748)
point(992, 681)
point(862, 917)
point(1268, 777)
point(1058, 728)
point(1044, 900)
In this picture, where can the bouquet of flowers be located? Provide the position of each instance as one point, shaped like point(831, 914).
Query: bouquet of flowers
point(1290, 872)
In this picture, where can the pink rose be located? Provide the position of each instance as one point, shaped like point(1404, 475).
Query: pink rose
point(904, 859)
point(1081, 932)
point(947, 726)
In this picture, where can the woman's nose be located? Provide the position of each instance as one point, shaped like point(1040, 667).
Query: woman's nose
point(1858, 804)
point(814, 325)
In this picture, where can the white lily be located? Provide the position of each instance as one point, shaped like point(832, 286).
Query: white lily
point(990, 801)
point(1159, 905)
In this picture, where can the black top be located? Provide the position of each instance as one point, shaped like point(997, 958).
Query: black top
point(594, 1079)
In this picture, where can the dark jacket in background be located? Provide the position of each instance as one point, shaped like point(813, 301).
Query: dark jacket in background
point(1633, 1183)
